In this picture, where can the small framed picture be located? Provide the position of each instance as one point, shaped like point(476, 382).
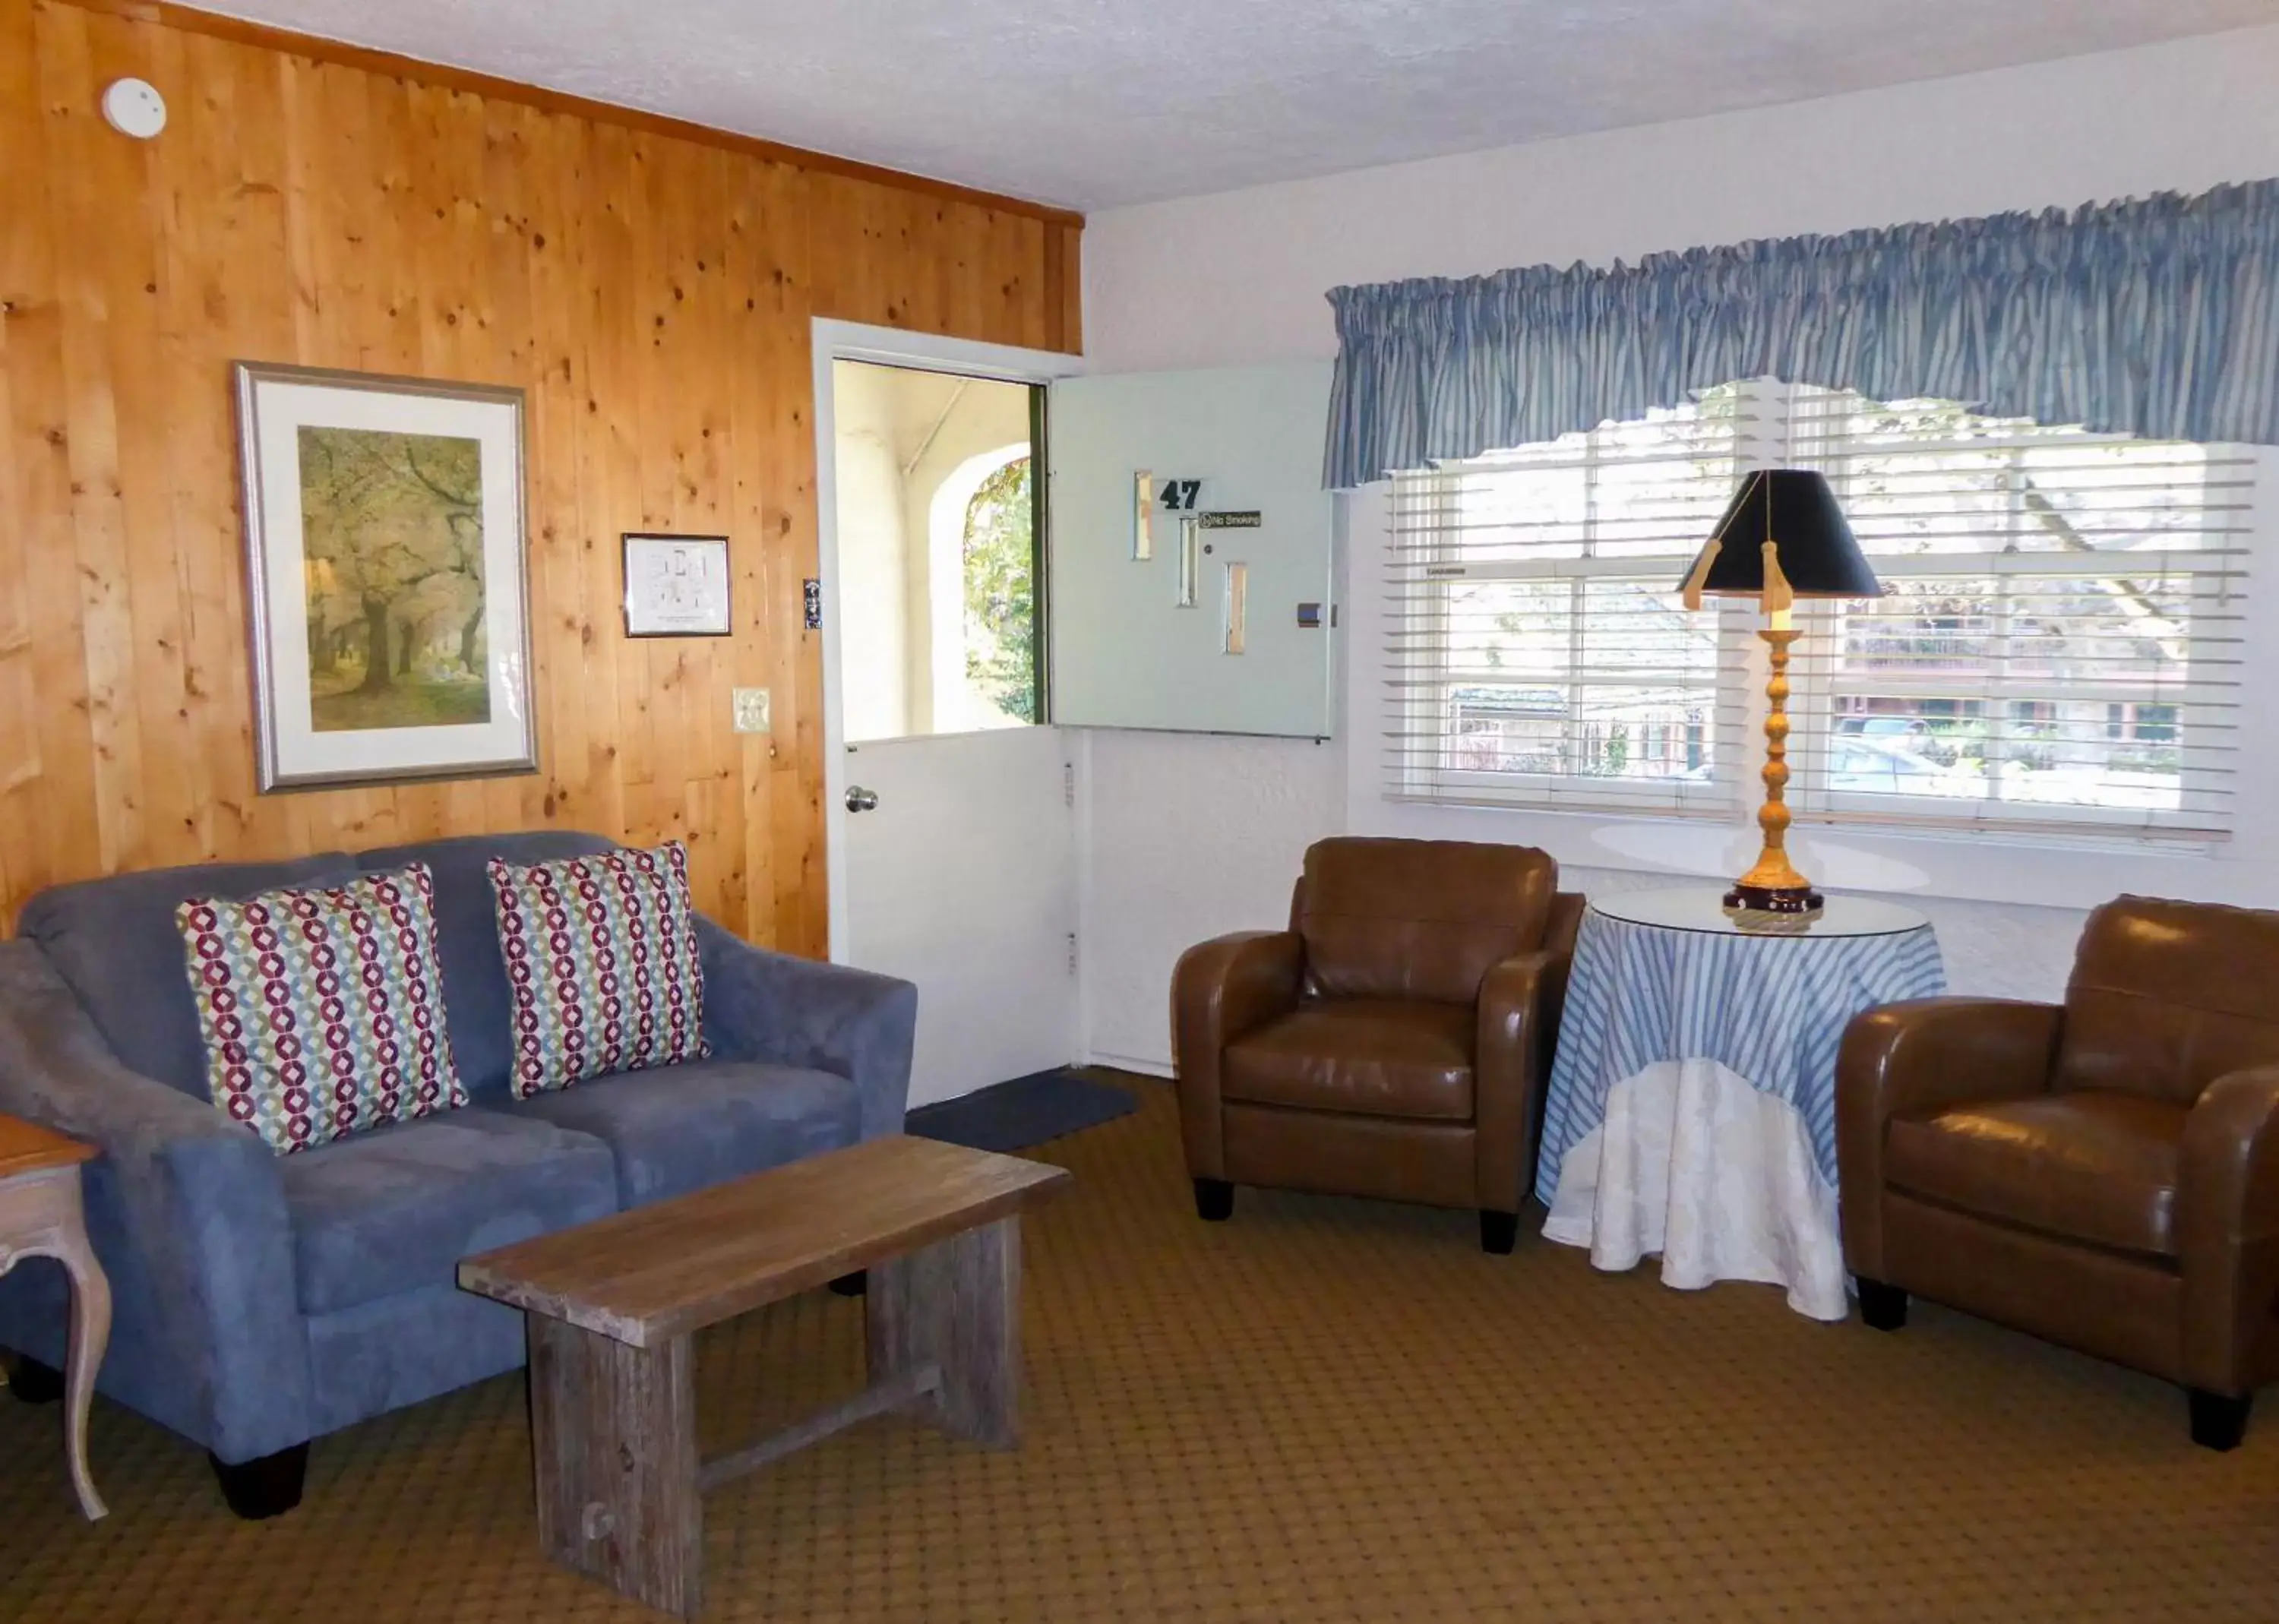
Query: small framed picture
point(677, 586)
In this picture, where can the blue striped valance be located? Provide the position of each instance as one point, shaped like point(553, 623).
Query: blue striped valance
point(2157, 316)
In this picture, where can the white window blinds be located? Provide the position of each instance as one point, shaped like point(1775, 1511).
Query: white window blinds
point(2058, 650)
point(1539, 654)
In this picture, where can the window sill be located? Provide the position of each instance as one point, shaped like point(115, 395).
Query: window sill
point(1986, 866)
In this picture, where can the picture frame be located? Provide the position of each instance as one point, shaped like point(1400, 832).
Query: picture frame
point(387, 577)
point(677, 586)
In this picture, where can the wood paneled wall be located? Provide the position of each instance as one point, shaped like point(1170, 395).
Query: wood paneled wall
point(649, 287)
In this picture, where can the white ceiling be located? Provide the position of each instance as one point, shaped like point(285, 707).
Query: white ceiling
point(1091, 103)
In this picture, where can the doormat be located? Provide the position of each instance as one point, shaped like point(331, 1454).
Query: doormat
point(1011, 1116)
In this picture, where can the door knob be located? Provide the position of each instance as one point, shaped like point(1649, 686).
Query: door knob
point(860, 800)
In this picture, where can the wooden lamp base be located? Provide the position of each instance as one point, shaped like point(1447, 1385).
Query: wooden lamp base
point(1774, 887)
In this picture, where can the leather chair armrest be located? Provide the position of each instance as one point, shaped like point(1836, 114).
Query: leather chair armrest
point(1222, 989)
point(2227, 1231)
point(1565, 923)
point(1923, 1055)
point(1519, 1001)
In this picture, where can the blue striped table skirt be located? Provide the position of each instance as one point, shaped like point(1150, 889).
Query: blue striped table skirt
point(1772, 1008)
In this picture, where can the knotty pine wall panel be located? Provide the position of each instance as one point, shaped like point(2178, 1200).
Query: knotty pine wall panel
point(650, 289)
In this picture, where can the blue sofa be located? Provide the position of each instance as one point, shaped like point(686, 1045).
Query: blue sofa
point(263, 1300)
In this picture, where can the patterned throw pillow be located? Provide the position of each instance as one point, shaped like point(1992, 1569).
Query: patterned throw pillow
point(601, 959)
point(321, 1010)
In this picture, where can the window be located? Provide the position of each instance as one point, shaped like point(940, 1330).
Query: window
point(1540, 654)
point(2058, 646)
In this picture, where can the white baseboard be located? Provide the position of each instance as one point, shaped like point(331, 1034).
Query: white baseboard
point(1148, 1066)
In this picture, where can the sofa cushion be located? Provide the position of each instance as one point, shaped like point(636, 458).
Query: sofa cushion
point(114, 942)
point(602, 970)
point(2099, 1167)
point(395, 1209)
point(321, 1009)
point(1378, 1056)
point(466, 936)
point(684, 1127)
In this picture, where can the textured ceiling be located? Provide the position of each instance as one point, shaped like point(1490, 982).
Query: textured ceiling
point(1095, 103)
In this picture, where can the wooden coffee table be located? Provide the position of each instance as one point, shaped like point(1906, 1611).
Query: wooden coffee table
point(612, 1306)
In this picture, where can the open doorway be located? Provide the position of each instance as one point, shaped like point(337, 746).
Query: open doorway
point(940, 552)
point(951, 820)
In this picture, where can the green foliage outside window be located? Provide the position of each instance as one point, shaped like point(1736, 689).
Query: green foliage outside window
point(1001, 640)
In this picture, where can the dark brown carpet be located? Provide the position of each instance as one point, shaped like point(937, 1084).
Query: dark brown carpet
point(1325, 1410)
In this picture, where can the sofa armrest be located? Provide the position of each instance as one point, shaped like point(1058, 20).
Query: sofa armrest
point(1924, 1055)
point(2227, 1231)
point(187, 1212)
point(1220, 990)
point(1520, 1002)
point(764, 1006)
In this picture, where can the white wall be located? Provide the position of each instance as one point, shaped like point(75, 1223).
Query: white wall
point(1193, 836)
point(873, 550)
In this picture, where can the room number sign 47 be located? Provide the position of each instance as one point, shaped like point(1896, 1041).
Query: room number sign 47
point(1183, 495)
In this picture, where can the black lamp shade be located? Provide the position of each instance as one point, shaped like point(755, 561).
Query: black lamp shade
point(1793, 509)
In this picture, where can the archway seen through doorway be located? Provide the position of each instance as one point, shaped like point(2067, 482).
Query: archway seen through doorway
point(980, 593)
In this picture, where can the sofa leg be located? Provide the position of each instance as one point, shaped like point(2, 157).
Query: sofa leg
point(1214, 1200)
point(851, 1285)
point(1882, 1307)
point(34, 1383)
point(2219, 1421)
point(1498, 1232)
point(267, 1487)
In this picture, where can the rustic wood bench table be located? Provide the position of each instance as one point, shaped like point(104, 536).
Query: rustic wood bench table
point(612, 1306)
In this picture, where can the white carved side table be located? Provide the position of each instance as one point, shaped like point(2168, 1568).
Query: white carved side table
point(41, 1217)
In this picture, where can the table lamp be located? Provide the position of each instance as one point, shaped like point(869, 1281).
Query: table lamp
point(1782, 538)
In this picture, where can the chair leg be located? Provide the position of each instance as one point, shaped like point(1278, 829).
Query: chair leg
point(34, 1383)
point(2219, 1420)
point(1214, 1200)
point(1882, 1307)
point(1498, 1232)
point(268, 1486)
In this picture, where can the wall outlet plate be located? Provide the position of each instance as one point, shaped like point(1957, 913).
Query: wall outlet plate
point(750, 709)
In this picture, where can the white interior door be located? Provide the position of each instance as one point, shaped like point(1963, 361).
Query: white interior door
point(961, 877)
point(958, 871)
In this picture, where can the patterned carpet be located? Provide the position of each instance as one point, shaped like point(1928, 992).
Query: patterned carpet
point(1325, 1409)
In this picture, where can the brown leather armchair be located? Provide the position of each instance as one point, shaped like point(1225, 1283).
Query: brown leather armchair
point(2104, 1173)
point(1392, 1042)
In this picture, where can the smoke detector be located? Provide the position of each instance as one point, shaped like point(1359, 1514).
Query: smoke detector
point(133, 107)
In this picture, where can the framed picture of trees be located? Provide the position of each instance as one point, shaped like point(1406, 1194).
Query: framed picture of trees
point(384, 552)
